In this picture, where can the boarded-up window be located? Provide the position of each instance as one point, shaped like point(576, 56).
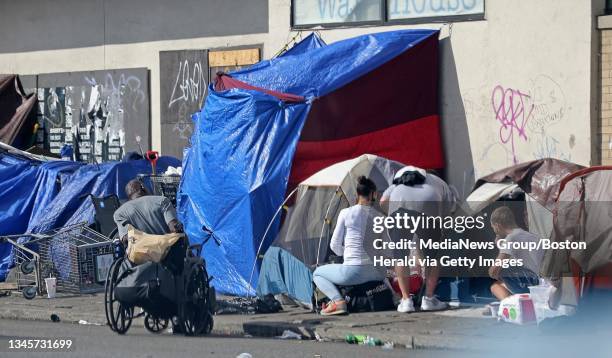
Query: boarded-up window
point(231, 60)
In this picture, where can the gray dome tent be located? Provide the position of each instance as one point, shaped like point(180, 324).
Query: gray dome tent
point(303, 241)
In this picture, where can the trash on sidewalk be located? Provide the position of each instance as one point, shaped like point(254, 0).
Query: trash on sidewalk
point(517, 309)
point(371, 341)
point(388, 346)
point(55, 318)
point(244, 355)
point(84, 322)
point(289, 334)
point(319, 338)
point(248, 305)
point(494, 308)
point(361, 339)
point(523, 309)
point(51, 285)
point(355, 339)
point(240, 305)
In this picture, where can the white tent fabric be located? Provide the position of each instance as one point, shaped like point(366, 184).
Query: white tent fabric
point(540, 218)
point(486, 194)
point(345, 174)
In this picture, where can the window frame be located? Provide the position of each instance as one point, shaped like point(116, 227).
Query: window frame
point(381, 22)
point(385, 21)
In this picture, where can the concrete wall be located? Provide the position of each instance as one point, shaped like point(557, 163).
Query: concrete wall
point(519, 85)
point(62, 24)
point(69, 35)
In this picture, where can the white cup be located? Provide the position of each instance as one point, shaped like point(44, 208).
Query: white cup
point(51, 283)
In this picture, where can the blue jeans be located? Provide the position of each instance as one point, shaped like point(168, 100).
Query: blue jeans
point(326, 277)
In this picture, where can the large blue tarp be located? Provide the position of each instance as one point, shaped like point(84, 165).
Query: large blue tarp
point(234, 177)
point(39, 196)
point(236, 172)
point(321, 70)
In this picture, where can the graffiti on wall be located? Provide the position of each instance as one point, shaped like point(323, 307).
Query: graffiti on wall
point(188, 93)
point(513, 109)
point(184, 81)
point(520, 123)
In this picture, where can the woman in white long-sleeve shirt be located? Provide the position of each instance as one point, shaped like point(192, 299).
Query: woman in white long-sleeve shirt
point(348, 240)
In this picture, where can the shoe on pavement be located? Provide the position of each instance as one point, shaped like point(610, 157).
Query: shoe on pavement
point(433, 304)
point(405, 306)
point(334, 308)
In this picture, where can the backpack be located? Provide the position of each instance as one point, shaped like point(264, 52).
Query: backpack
point(368, 297)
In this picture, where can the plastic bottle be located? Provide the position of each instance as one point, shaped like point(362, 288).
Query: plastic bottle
point(355, 339)
point(371, 341)
point(361, 339)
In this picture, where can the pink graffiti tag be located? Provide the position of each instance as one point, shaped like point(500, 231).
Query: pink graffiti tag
point(509, 107)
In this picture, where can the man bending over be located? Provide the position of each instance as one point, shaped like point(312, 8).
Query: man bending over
point(151, 214)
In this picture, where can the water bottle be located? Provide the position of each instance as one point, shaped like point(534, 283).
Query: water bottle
point(371, 341)
point(355, 339)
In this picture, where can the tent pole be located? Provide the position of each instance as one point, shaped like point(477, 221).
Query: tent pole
point(324, 223)
point(266, 233)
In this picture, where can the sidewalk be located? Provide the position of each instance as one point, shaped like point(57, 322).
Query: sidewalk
point(454, 329)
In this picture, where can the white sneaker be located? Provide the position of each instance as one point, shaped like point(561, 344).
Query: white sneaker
point(405, 306)
point(432, 304)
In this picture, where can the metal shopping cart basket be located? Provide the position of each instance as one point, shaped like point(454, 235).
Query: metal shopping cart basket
point(164, 185)
point(25, 277)
point(77, 256)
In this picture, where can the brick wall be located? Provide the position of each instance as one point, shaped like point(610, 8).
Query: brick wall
point(604, 127)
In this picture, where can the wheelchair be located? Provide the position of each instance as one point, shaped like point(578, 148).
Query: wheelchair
point(175, 290)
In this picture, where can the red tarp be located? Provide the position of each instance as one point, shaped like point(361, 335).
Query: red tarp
point(392, 112)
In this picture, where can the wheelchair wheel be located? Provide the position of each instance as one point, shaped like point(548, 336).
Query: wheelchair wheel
point(118, 317)
point(155, 324)
point(195, 312)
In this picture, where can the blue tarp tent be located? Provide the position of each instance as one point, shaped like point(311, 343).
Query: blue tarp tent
point(38, 196)
point(234, 175)
point(237, 169)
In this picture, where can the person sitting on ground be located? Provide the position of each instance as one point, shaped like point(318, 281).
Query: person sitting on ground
point(348, 240)
point(415, 192)
point(514, 279)
point(151, 214)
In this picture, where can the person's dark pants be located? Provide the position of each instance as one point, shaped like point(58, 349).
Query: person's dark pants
point(518, 279)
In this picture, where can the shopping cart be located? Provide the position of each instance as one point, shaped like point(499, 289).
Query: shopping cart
point(164, 185)
point(76, 255)
point(25, 277)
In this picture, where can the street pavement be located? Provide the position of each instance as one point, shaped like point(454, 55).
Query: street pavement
point(99, 341)
point(462, 332)
point(456, 329)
